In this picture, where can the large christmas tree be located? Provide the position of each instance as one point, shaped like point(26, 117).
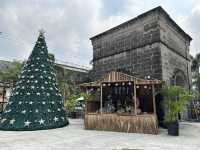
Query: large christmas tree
point(35, 102)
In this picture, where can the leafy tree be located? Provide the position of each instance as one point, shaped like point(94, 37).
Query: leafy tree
point(11, 72)
point(51, 57)
point(71, 102)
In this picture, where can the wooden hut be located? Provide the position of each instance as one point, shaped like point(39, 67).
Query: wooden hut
point(123, 103)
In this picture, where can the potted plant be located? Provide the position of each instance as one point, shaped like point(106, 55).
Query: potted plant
point(175, 100)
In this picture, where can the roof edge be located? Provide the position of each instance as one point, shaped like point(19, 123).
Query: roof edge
point(159, 8)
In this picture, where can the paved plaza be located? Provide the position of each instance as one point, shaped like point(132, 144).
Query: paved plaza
point(74, 137)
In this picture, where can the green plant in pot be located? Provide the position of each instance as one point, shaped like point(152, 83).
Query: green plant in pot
point(175, 100)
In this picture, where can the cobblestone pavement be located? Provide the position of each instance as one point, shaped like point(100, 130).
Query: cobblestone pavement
point(74, 137)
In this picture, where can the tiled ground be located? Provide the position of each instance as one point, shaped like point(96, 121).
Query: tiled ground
point(74, 137)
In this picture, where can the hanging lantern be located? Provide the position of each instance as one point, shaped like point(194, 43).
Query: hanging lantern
point(129, 83)
point(104, 84)
point(109, 84)
point(145, 86)
point(123, 83)
point(137, 86)
point(116, 84)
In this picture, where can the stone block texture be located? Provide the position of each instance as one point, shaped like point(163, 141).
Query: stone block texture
point(151, 44)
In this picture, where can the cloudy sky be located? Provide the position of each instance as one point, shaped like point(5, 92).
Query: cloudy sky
point(70, 23)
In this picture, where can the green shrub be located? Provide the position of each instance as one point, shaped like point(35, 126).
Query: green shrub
point(71, 102)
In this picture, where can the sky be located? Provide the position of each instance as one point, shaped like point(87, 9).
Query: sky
point(69, 24)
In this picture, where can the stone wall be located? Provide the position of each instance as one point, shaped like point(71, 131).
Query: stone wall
point(151, 45)
point(143, 61)
point(130, 49)
point(174, 54)
point(173, 63)
point(174, 39)
point(137, 34)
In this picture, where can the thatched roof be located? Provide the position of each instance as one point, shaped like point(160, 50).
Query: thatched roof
point(114, 76)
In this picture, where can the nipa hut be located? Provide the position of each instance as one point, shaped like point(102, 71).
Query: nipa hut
point(123, 103)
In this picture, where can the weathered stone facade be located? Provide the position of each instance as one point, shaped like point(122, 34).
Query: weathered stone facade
point(151, 44)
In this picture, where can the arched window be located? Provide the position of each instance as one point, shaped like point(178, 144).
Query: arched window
point(179, 78)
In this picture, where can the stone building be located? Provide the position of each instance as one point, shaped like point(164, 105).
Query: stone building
point(151, 44)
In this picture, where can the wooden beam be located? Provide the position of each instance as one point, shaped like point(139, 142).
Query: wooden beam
point(135, 96)
point(101, 100)
point(154, 102)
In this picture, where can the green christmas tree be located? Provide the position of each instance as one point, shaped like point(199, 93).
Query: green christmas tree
point(35, 102)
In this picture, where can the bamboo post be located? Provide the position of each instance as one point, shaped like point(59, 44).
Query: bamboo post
point(87, 92)
point(135, 102)
point(154, 102)
point(101, 100)
point(86, 106)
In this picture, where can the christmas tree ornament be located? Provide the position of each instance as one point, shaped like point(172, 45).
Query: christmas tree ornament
point(12, 121)
point(34, 102)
